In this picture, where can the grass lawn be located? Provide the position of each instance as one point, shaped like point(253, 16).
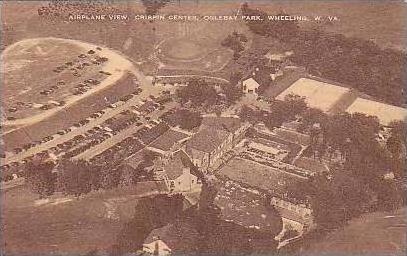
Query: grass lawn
point(74, 227)
point(380, 233)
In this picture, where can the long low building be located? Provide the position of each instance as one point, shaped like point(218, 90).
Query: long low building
point(334, 98)
point(385, 112)
point(317, 94)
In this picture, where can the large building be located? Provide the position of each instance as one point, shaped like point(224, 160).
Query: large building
point(176, 172)
point(317, 94)
point(332, 99)
point(385, 113)
point(169, 142)
point(217, 135)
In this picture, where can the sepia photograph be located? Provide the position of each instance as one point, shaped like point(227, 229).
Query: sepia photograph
point(203, 127)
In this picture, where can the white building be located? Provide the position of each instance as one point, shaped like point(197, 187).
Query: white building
point(298, 215)
point(177, 174)
point(250, 86)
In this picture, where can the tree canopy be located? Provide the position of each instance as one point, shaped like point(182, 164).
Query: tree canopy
point(198, 92)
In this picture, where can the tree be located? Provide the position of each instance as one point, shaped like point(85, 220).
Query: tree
point(283, 111)
point(111, 177)
point(235, 42)
point(198, 92)
point(150, 213)
point(337, 200)
point(250, 115)
point(40, 177)
point(282, 30)
point(235, 77)
point(187, 119)
point(390, 195)
point(74, 177)
point(95, 177)
point(312, 116)
point(232, 92)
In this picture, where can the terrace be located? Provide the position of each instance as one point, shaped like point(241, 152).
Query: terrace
point(269, 178)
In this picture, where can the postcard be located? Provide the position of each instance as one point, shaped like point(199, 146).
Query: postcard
point(202, 127)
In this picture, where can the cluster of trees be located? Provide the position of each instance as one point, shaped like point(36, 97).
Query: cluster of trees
point(235, 42)
point(233, 91)
point(40, 177)
point(280, 112)
point(359, 184)
point(356, 62)
point(78, 177)
point(149, 214)
point(356, 185)
point(184, 118)
point(198, 92)
point(338, 199)
point(69, 177)
point(266, 27)
point(216, 236)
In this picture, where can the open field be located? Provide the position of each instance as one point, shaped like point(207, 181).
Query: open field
point(380, 233)
point(66, 225)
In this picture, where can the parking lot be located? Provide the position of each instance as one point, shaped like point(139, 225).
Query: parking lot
point(98, 132)
point(144, 123)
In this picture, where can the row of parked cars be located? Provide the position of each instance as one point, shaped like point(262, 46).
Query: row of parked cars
point(79, 64)
point(109, 127)
point(85, 86)
point(131, 144)
point(92, 137)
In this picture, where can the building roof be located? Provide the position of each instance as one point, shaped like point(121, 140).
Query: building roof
point(180, 237)
point(317, 94)
point(283, 205)
point(311, 164)
point(208, 139)
point(261, 176)
point(230, 124)
point(175, 165)
point(293, 136)
point(151, 134)
point(385, 112)
point(251, 83)
point(246, 208)
point(166, 141)
point(283, 82)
